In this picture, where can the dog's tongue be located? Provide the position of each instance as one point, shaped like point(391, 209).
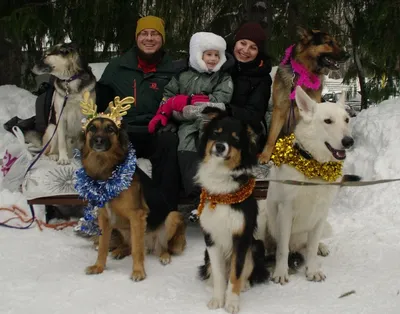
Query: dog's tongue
point(340, 154)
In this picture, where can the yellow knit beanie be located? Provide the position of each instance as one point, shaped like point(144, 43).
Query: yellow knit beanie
point(152, 22)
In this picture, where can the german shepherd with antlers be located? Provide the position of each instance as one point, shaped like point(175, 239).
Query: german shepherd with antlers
point(304, 64)
point(141, 226)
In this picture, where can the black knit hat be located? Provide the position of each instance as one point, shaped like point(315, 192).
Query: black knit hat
point(254, 32)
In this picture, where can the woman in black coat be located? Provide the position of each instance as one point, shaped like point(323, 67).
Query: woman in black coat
point(251, 79)
point(251, 82)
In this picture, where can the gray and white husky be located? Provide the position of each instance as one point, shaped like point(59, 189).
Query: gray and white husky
point(73, 78)
point(295, 216)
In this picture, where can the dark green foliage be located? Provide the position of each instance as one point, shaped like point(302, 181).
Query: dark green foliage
point(370, 29)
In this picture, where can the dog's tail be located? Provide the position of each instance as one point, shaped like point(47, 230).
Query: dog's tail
point(295, 260)
point(34, 138)
point(204, 271)
point(260, 271)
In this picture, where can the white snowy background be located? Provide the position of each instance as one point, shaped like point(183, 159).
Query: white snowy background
point(43, 272)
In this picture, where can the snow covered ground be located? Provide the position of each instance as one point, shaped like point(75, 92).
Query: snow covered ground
point(43, 272)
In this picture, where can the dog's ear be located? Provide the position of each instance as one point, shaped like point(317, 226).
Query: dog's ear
point(305, 104)
point(249, 149)
point(252, 135)
point(123, 139)
point(304, 34)
point(209, 114)
point(342, 99)
point(212, 112)
point(82, 138)
point(253, 147)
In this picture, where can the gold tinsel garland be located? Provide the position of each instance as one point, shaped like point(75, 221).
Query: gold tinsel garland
point(231, 198)
point(285, 153)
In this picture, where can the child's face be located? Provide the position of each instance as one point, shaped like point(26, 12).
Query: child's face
point(211, 58)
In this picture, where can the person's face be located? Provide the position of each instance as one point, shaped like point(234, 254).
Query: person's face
point(211, 58)
point(245, 50)
point(149, 41)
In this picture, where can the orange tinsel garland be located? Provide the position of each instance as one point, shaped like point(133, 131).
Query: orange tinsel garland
point(231, 198)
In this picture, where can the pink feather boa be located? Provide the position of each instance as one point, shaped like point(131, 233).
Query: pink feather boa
point(306, 79)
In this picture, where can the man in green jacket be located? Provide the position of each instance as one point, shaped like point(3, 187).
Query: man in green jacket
point(142, 72)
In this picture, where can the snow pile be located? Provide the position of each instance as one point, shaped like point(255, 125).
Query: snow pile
point(44, 271)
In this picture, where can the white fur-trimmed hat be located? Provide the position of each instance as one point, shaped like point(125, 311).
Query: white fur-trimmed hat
point(201, 42)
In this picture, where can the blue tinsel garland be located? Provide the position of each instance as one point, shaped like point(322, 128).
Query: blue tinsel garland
point(99, 192)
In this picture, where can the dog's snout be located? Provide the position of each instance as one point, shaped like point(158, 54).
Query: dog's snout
point(100, 143)
point(220, 147)
point(347, 142)
point(98, 140)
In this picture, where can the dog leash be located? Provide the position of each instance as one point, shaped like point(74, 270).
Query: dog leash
point(40, 153)
point(343, 183)
point(291, 109)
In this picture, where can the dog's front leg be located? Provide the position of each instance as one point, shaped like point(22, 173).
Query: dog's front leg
point(277, 120)
point(284, 226)
point(62, 143)
point(218, 270)
point(138, 229)
point(314, 236)
point(241, 268)
point(104, 244)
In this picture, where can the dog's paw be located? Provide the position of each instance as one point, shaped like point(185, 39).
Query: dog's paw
point(53, 157)
point(94, 269)
point(281, 276)
point(120, 252)
point(63, 161)
point(264, 158)
point(138, 275)
point(165, 258)
point(323, 249)
point(316, 276)
point(246, 286)
point(232, 306)
point(215, 303)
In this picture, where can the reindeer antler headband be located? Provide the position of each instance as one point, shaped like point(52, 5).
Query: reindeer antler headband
point(118, 109)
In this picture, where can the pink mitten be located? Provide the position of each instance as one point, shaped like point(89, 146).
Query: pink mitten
point(179, 102)
point(199, 98)
point(162, 116)
point(159, 118)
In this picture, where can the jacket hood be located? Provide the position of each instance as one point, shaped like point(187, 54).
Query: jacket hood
point(201, 42)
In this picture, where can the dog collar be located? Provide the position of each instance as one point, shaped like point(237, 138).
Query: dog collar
point(231, 198)
point(72, 78)
point(100, 192)
point(286, 152)
point(305, 154)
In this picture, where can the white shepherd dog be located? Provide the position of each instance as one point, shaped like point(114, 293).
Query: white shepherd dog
point(295, 216)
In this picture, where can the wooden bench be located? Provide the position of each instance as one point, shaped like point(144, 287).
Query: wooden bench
point(260, 192)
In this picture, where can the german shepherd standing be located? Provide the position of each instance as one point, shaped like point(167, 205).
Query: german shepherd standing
point(316, 51)
point(73, 78)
